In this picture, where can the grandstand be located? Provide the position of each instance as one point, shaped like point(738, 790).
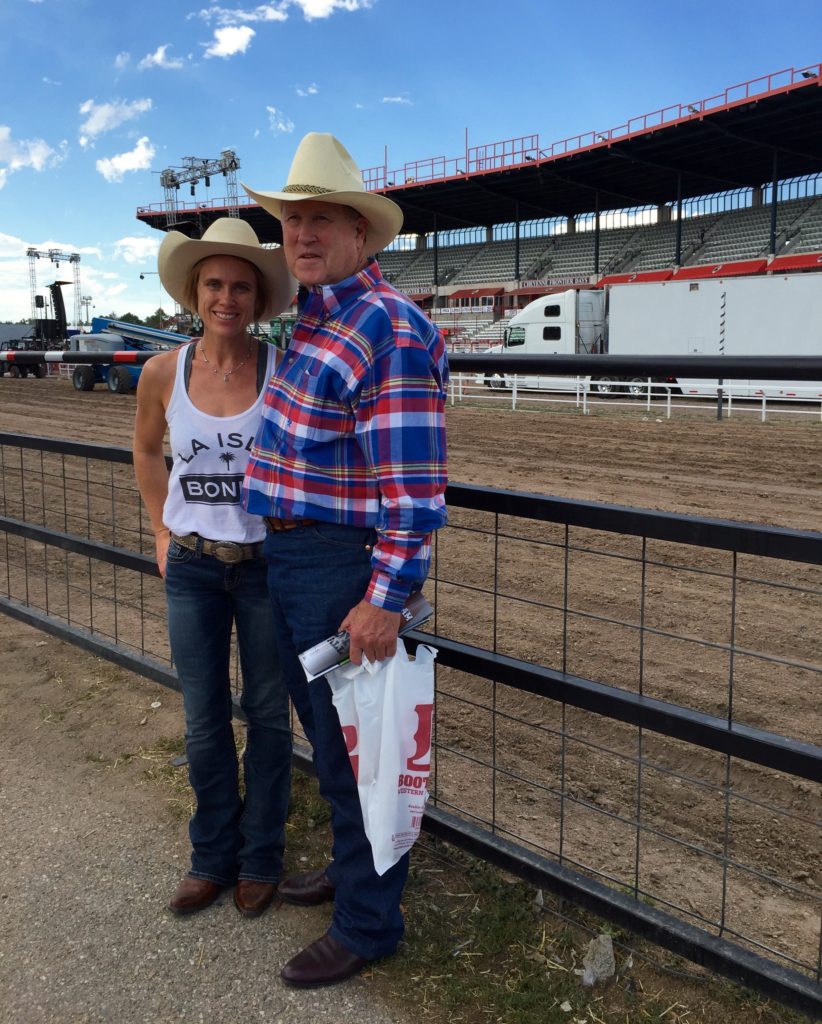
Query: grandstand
point(731, 179)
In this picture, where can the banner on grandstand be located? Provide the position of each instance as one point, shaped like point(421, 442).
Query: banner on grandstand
point(552, 282)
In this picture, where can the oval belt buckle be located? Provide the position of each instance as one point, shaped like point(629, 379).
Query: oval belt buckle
point(228, 551)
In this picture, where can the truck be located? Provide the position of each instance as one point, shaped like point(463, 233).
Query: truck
point(19, 345)
point(763, 315)
point(109, 335)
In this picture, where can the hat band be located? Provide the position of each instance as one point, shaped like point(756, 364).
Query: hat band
point(316, 190)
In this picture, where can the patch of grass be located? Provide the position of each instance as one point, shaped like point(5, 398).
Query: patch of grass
point(481, 948)
point(51, 714)
point(173, 778)
point(102, 761)
point(477, 949)
point(308, 839)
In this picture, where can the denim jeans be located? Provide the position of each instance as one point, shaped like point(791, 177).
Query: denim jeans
point(231, 837)
point(316, 574)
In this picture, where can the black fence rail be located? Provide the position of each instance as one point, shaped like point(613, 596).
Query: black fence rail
point(628, 702)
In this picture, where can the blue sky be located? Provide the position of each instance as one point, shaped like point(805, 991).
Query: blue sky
point(98, 98)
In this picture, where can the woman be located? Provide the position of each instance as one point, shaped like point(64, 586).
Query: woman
point(208, 394)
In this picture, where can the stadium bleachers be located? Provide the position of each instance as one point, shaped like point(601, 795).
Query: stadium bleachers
point(419, 274)
point(808, 235)
point(495, 261)
point(707, 238)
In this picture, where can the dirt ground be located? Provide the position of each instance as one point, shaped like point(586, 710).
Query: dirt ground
point(739, 469)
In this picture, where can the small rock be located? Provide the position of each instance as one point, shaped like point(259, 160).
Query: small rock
point(598, 961)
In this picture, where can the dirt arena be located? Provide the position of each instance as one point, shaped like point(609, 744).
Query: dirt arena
point(739, 469)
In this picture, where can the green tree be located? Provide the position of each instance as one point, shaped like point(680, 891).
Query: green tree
point(157, 318)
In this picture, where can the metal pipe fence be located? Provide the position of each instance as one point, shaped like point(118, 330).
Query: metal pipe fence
point(627, 705)
point(644, 397)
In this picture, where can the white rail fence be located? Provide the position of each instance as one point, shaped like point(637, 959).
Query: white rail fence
point(647, 397)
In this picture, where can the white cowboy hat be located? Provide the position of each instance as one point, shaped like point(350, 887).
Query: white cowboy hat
point(227, 236)
point(323, 170)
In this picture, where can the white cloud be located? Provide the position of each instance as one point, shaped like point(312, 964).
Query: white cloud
point(262, 13)
point(403, 99)
point(104, 117)
point(138, 159)
point(325, 8)
point(121, 60)
point(34, 153)
point(11, 246)
point(136, 248)
point(15, 284)
point(230, 41)
point(158, 59)
point(311, 90)
point(278, 122)
point(311, 9)
point(50, 81)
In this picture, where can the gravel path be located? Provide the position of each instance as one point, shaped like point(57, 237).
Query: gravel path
point(90, 857)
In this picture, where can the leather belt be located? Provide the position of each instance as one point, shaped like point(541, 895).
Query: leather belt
point(277, 525)
point(227, 551)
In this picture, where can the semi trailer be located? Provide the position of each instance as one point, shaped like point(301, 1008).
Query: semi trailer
point(770, 315)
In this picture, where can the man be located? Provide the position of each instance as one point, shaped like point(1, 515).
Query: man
point(348, 468)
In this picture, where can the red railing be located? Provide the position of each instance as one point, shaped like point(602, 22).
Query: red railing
point(527, 149)
point(519, 151)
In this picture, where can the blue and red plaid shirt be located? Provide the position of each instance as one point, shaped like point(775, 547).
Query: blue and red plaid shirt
point(353, 428)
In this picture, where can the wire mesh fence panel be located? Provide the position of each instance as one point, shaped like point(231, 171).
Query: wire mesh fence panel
point(630, 696)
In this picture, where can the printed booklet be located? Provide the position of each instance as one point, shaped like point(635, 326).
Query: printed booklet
point(331, 653)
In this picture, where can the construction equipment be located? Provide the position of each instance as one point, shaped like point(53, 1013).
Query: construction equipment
point(114, 336)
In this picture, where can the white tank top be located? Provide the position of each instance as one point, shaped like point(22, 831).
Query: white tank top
point(209, 455)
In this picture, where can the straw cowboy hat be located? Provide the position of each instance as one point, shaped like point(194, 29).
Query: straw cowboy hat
point(323, 169)
point(228, 236)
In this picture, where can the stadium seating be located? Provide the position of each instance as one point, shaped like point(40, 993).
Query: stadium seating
point(708, 238)
point(808, 236)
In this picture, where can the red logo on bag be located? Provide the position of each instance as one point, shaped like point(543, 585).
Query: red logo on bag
point(350, 736)
point(422, 738)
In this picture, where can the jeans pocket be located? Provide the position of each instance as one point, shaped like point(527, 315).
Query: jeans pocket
point(349, 537)
point(177, 553)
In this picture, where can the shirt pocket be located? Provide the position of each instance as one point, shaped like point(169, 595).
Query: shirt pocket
point(315, 415)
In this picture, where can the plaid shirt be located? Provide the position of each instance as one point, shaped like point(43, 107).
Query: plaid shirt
point(353, 428)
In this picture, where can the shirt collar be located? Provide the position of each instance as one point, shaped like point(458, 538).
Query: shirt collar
point(326, 300)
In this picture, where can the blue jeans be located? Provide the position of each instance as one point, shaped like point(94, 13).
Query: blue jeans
point(231, 837)
point(316, 574)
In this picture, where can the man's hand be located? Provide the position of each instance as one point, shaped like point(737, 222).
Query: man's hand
point(373, 632)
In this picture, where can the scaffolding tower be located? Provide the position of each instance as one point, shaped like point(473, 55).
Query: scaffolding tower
point(56, 257)
point(195, 169)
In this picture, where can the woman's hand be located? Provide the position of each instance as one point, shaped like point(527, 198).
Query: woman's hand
point(162, 539)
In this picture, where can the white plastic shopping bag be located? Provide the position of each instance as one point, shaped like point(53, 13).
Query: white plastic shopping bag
point(385, 712)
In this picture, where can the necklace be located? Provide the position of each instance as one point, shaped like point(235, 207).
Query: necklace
point(226, 373)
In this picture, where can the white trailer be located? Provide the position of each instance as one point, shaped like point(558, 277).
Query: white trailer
point(737, 316)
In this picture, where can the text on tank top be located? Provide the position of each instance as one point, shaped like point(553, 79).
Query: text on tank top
point(209, 457)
